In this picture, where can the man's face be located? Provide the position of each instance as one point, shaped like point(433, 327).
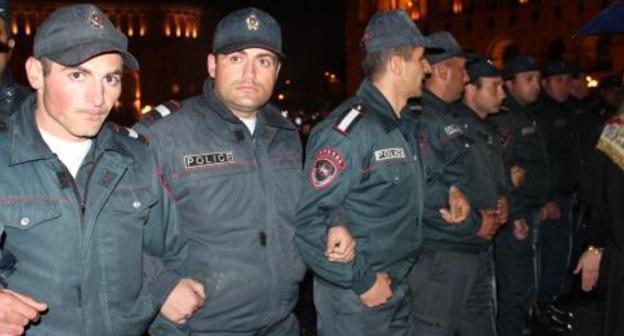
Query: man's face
point(73, 102)
point(4, 39)
point(489, 96)
point(457, 76)
point(578, 88)
point(525, 86)
point(416, 68)
point(557, 87)
point(244, 80)
point(612, 95)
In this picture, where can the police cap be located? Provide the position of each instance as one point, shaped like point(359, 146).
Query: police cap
point(449, 45)
point(393, 29)
point(554, 68)
point(74, 34)
point(481, 67)
point(611, 81)
point(5, 10)
point(519, 64)
point(247, 28)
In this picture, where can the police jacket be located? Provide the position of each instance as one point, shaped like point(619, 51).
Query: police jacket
point(562, 144)
point(450, 159)
point(79, 243)
point(523, 146)
point(235, 195)
point(11, 94)
point(362, 170)
point(487, 144)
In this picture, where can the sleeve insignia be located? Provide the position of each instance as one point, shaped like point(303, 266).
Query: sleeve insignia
point(328, 162)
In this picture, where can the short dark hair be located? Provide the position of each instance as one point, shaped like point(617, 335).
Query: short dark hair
point(374, 63)
point(46, 64)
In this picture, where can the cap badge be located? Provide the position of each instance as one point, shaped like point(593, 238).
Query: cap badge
point(252, 22)
point(96, 20)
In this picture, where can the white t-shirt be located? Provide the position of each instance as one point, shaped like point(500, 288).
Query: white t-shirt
point(250, 123)
point(69, 152)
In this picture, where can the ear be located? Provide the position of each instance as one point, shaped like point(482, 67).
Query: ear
point(396, 65)
point(11, 44)
point(443, 71)
point(34, 72)
point(211, 63)
point(278, 68)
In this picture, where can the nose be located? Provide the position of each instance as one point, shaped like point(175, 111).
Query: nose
point(97, 94)
point(426, 67)
point(249, 70)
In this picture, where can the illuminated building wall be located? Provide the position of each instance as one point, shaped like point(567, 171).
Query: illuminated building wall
point(499, 29)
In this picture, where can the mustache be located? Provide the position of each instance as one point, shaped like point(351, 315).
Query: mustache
point(4, 47)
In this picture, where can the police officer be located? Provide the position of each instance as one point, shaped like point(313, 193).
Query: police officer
point(526, 164)
point(554, 225)
point(11, 93)
point(455, 296)
point(483, 97)
point(81, 201)
point(232, 163)
point(362, 165)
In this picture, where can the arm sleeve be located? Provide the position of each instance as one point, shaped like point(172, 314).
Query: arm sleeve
point(321, 207)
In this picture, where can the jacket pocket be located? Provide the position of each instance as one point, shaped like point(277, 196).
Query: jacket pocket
point(27, 216)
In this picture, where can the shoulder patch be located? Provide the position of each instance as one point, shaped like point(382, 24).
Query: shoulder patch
point(345, 124)
point(129, 132)
point(328, 162)
point(160, 112)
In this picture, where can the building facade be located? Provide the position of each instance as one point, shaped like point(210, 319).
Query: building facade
point(499, 29)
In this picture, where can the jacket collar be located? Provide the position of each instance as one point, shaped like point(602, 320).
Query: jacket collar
point(26, 144)
point(267, 115)
point(378, 104)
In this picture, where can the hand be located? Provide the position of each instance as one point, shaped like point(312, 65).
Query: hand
point(17, 311)
point(340, 245)
point(520, 229)
point(502, 210)
point(459, 208)
point(518, 175)
point(589, 265)
point(488, 224)
point(380, 293)
point(187, 296)
point(550, 211)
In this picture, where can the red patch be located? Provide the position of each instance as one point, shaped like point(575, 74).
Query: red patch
point(328, 162)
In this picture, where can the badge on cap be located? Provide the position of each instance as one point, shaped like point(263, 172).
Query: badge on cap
point(96, 20)
point(328, 162)
point(252, 22)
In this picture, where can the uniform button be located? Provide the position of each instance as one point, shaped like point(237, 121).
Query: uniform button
point(25, 221)
point(467, 145)
point(396, 178)
point(9, 93)
point(136, 204)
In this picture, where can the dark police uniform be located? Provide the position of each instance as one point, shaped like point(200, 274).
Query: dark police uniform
point(523, 146)
point(235, 195)
point(78, 242)
point(452, 281)
point(564, 153)
point(11, 94)
point(362, 165)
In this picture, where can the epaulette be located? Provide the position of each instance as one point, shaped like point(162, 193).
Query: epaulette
point(347, 121)
point(129, 132)
point(160, 112)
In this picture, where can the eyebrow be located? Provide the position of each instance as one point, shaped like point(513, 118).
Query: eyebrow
point(263, 54)
point(117, 72)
